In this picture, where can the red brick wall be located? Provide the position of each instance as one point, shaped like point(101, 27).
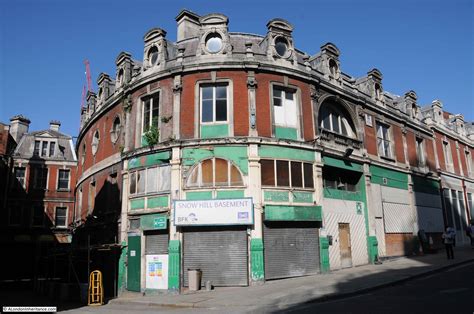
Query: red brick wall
point(439, 151)
point(106, 147)
point(454, 153)
point(462, 153)
point(398, 139)
point(399, 244)
point(240, 101)
point(430, 154)
point(264, 118)
point(411, 149)
point(371, 140)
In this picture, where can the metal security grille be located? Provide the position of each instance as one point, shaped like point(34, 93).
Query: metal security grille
point(291, 249)
point(156, 242)
point(220, 253)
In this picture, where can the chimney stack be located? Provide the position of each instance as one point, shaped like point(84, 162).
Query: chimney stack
point(54, 125)
point(18, 126)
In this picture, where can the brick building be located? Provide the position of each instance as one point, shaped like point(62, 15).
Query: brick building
point(38, 205)
point(240, 155)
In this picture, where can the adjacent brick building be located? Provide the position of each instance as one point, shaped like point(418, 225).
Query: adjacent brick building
point(38, 205)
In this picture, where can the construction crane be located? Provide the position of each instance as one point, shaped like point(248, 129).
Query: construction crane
point(89, 84)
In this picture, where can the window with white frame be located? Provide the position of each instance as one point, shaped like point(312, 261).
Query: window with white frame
point(60, 217)
point(470, 203)
point(285, 173)
point(42, 148)
point(214, 103)
point(151, 180)
point(384, 143)
point(19, 182)
point(52, 149)
point(63, 179)
point(215, 172)
point(334, 118)
point(38, 215)
point(448, 157)
point(420, 152)
point(40, 179)
point(36, 149)
point(285, 110)
point(151, 112)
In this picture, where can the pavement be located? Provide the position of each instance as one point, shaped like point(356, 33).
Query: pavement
point(278, 295)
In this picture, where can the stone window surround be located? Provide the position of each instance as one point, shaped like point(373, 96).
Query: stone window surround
point(66, 216)
point(298, 101)
point(230, 102)
point(68, 180)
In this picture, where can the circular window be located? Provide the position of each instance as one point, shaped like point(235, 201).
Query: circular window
point(281, 46)
point(115, 131)
point(214, 43)
point(153, 55)
point(95, 142)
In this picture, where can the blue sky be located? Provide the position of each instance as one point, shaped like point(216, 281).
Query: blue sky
point(422, 45)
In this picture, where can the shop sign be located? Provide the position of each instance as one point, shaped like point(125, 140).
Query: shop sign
point(214, 212)
point(157, 271)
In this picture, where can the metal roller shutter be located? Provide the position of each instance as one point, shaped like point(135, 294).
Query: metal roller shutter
point(220, 253)
point(156, 242)
point(291, 249)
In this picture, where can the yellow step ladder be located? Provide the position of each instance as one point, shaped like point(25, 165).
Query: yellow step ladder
point(96, 289)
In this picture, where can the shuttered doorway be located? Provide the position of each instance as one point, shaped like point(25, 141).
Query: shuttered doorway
point(220, 253)
point(156, 242)
point(291, 249)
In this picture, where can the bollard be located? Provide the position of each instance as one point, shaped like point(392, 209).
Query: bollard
point(208, 285)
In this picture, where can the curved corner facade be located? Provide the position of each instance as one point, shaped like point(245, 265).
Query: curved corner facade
point(243, 157)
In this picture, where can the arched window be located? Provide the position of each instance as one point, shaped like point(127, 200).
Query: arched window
point(333, 117)
point(215, 172)
point(152, 56)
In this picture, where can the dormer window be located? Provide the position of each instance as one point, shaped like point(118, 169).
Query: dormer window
point(153, 56)
point(42, 148)
point(378, 91)
point(120, 77)
point(99, 94)
point(333, 69)
point(281, 46)
point(214, 43)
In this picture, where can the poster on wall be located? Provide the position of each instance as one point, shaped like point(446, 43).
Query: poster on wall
point(157, 271)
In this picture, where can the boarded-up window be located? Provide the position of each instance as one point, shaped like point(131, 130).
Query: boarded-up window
point(215, 172)
point(284, 107)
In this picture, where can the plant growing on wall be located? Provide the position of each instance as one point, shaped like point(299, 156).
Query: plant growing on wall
point(152, 135)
